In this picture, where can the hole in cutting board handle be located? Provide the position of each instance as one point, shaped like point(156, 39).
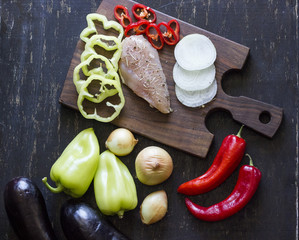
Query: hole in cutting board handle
point(265, 117)
point(262, 117)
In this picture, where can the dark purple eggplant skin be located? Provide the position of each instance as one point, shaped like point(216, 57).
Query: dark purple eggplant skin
point(26, 210)
point(80, 221)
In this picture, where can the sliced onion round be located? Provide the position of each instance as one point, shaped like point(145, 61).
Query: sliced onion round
point(193, 80)
point(195, 52)
point(196, 98)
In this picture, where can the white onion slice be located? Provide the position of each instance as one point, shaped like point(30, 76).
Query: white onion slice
point(193, 80)
point(196, 98)
point(195, 52)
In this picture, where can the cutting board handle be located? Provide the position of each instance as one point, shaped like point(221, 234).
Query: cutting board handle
point(262, 117)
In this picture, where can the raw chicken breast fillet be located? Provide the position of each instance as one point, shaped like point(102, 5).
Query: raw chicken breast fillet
point(140, 69)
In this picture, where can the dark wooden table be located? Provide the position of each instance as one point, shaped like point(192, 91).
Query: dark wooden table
point(37, 42)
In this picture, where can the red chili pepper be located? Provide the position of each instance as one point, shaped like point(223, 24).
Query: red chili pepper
point(142, 12)
point(154, 36)
point(247, 184)
point(136, 28)
point(174, 24)
point(226, 161)
point(168, 33)
point(121, 13)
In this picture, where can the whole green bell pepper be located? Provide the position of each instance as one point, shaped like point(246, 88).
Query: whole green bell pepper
point(74, 170)
point(114, 186)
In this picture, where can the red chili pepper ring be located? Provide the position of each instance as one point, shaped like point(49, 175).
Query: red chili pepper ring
point(142, 12)
point(154, 36)
point(174, 24)
point(136, 28)
point(121, 13)
point(168, 33)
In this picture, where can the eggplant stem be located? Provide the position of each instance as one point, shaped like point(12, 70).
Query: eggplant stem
point(58, 189)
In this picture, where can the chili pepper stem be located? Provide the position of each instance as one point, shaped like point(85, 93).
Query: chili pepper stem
point(239, 133)
point(58, 189)
point(250, 159)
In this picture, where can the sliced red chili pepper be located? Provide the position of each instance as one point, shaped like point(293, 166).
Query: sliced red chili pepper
point(226, 161)
point(168, 33)
point(154, 36)
point(121, 13)
point(142, 12)
point(174, 24)
point(136, 28)
point(247, 184)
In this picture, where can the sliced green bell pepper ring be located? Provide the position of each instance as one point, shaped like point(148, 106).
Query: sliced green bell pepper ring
point(142, 12)
point(169, 36)
point(74, 170)
point(122, 15)
point(103, 41)
point(136, 28)
point(91, 28)
point(114, 186)
point(109, 72)
point(108, 88)
point(154, 36)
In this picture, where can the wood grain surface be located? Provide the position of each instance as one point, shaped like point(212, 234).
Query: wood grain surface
point(37, 42)
point(184, 128)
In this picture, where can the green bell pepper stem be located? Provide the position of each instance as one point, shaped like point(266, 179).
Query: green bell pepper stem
point(58, 189)
point(74, 170)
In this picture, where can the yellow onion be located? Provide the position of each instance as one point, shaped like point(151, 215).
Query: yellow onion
point(153, 165)
point(121, 142)
point(153, 207)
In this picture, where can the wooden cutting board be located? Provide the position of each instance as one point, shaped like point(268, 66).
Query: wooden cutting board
point(184, 128)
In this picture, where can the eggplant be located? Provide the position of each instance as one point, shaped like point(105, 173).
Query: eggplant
point(80, 221)
point(26, 210)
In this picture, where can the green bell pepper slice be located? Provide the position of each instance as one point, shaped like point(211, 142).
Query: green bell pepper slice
point(74, 170)
point(91, 28)
point(106, 70)
point(108, 43)
point(114, 186)
point(108, 88)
